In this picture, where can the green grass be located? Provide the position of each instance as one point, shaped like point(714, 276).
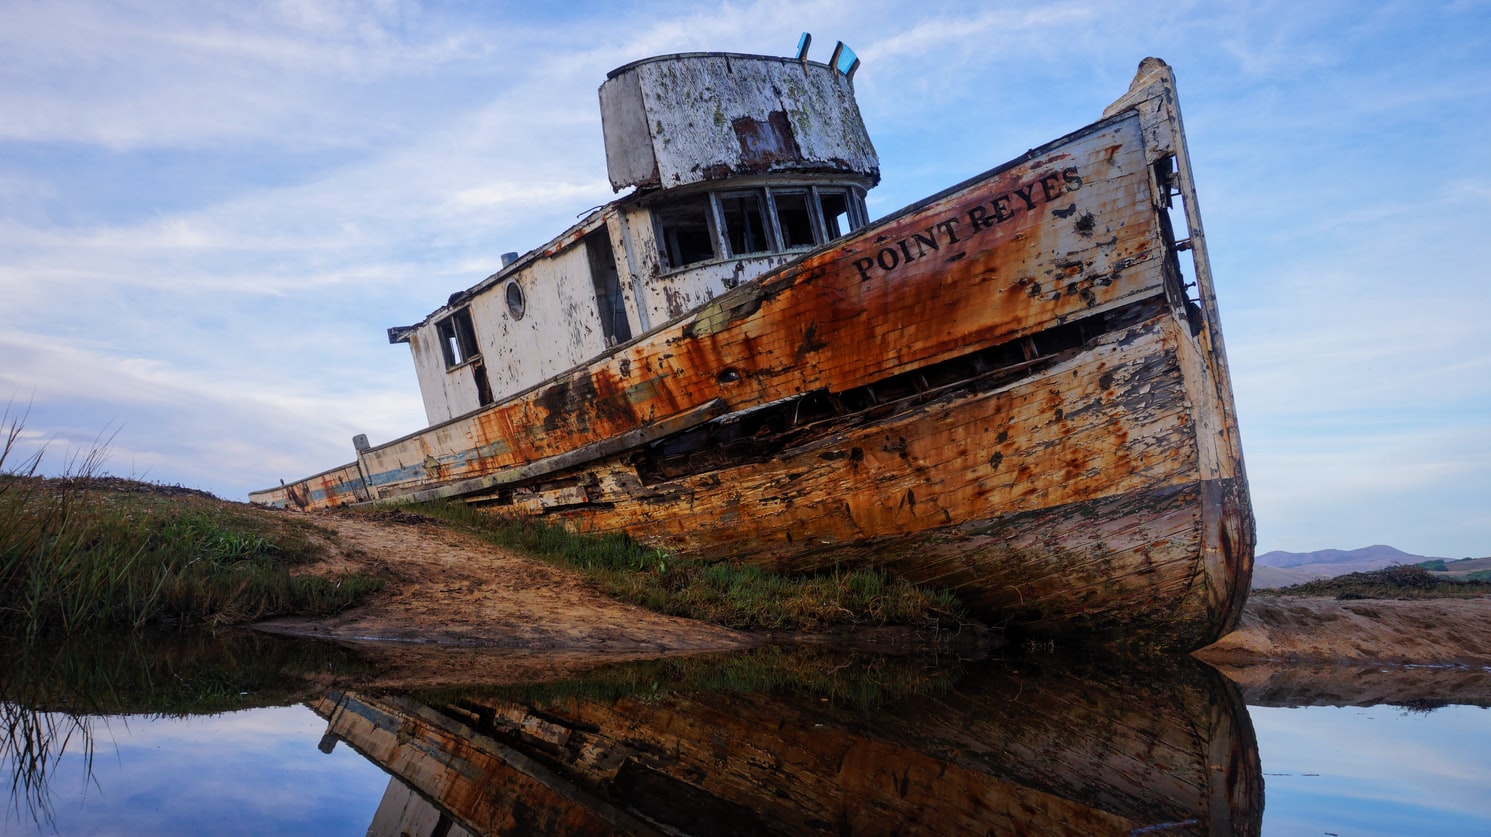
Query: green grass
point(725, 593)
point(83, 552)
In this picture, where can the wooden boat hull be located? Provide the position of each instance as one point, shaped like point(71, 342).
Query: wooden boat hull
point(1004, 390)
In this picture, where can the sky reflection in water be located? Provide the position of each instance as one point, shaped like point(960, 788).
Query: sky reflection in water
point(253, 772)
point(1379, 770)
point(1359, 771)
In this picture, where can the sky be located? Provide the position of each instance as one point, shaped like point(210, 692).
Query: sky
point(211, 212)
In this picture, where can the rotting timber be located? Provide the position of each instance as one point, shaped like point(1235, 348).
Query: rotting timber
point(1015, 389)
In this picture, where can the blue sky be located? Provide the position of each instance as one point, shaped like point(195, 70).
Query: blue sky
point(210, 212)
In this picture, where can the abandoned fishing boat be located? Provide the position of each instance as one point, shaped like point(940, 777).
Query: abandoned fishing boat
point(1015, 389)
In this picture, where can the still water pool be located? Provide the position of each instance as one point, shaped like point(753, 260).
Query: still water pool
point(253, 772)
point(777, 741)
point(1377, 770)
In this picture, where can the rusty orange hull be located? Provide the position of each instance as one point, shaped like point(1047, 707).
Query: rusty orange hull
point(1005, 389)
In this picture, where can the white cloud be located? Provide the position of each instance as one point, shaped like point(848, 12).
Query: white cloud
point(153, 74)
point(210, 212)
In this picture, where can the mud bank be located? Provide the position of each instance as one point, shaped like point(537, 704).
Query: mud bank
point(1361, 652)
point(451, 590)
point(1432, 632)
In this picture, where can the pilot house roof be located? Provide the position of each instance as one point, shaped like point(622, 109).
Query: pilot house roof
point(681, 119)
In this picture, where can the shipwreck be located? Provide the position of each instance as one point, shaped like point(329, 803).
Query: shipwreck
point(1015, 389)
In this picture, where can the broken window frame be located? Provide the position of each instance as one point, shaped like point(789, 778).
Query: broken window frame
point(483, 383)
point(815, 225)
point(457, 335)
point(854, 212)
point(664, 213)
point(741, 238)
point(666, 218)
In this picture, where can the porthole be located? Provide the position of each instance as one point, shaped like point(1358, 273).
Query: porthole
point(515, 302)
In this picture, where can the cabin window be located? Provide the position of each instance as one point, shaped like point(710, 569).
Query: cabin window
point(517, 304)
point(837, 219)
point(685, 231)
point(794, 218)
point(745, 223)
point(457, 338)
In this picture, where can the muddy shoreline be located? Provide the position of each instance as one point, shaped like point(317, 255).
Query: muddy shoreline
point(457, 605)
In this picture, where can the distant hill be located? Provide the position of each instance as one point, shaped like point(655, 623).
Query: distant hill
point(1265, 576)
point(1281, 569)
point(1377, 556)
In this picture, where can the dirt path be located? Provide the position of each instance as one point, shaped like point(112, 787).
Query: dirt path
point(489, 612)
point(449, 588)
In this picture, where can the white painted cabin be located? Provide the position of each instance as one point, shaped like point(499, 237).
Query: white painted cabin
point(738, 164)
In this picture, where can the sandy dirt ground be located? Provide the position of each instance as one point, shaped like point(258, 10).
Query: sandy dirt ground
point(460, 604)
point(1292, 651)
point(1433, 632)
point(455, 604)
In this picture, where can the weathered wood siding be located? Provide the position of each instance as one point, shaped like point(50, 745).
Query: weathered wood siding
point(1067, 502)
point(838, 319)
point(560, 327)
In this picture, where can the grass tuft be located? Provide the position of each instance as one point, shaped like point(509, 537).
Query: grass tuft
point(82, 552)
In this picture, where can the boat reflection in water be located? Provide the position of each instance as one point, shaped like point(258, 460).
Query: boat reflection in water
point(1023, 747)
